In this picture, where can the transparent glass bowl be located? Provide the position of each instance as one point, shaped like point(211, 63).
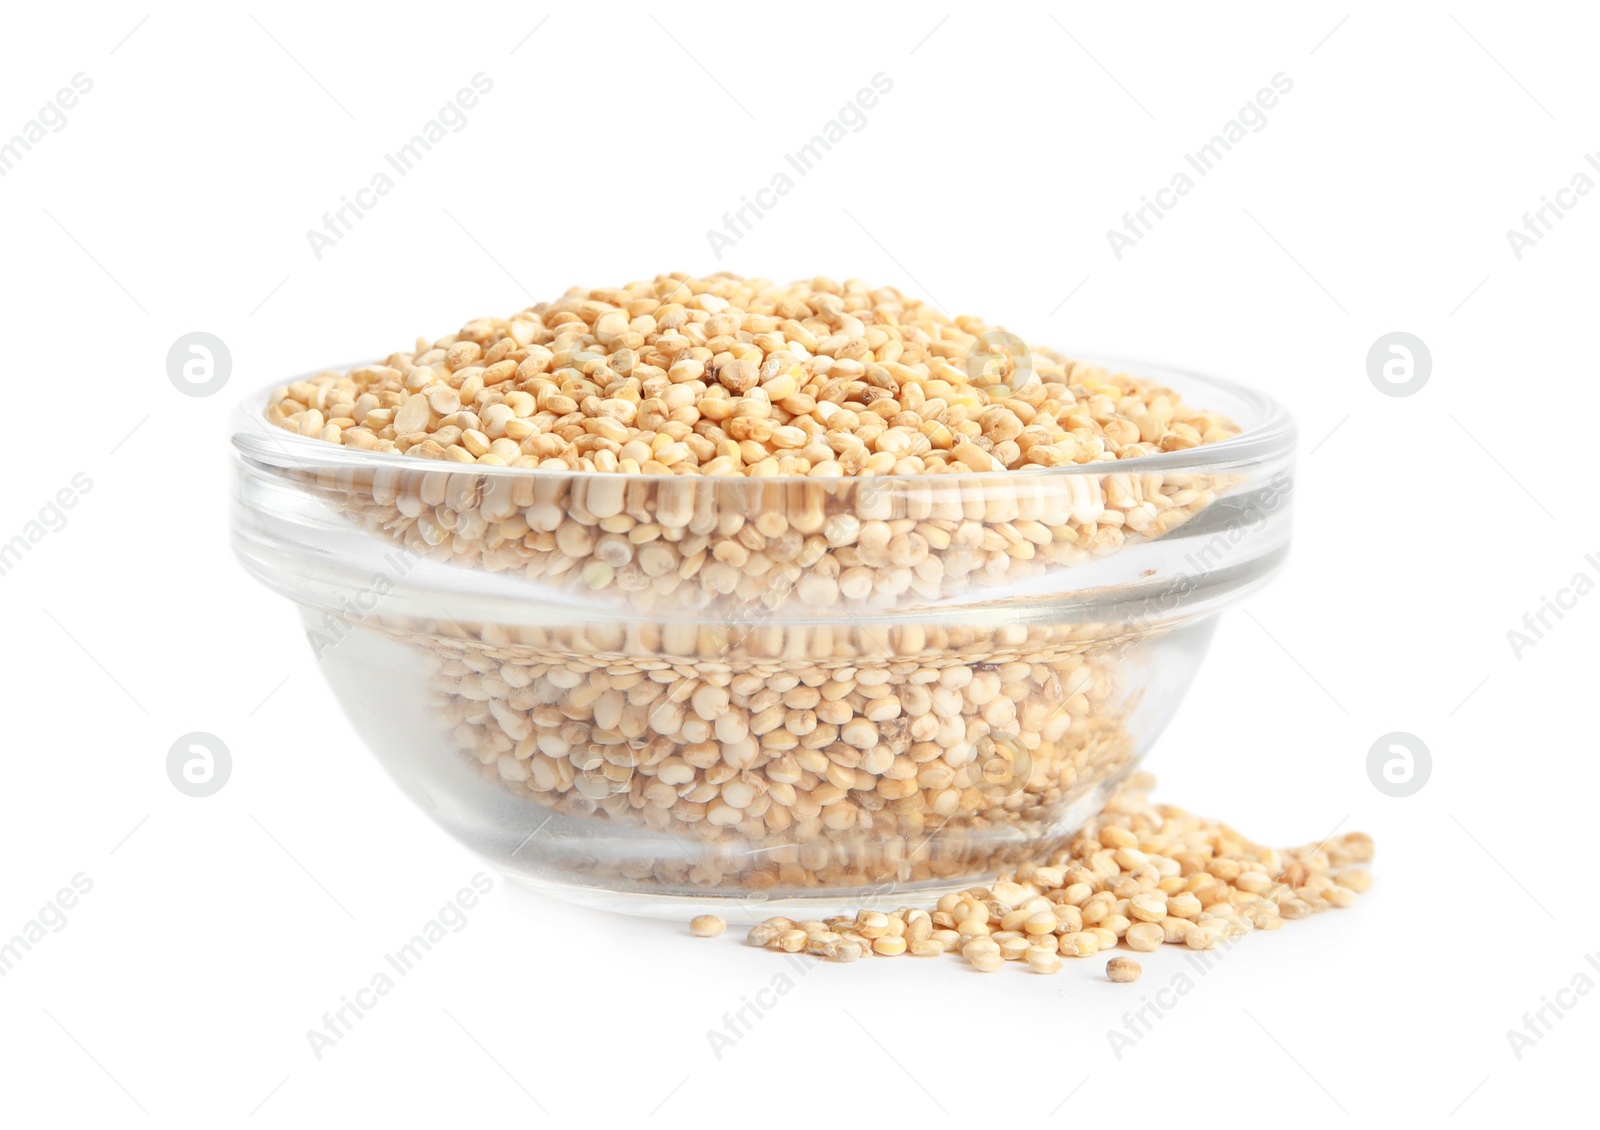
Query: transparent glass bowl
point(639, 691)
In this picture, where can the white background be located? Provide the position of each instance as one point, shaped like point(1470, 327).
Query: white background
point(1377, 198)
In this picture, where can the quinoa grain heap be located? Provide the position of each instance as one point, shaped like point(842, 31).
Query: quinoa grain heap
point(792, 758)
point(1139, 874)
point(732, 376)
point(753, 441)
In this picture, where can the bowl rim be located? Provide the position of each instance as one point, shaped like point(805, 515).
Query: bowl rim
point(1272, 433)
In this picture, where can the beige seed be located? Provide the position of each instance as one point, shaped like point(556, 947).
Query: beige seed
point(1123, 970)
point(860, 733)
point(1150, 907)
point(1077, 894)
point(1340, 896)
point(974, 925)
point(706, 925)
point(849, 950)
point(1183, 905)
point(1116, 836)
point(1108, 940)
point(1355, 879)
point(1080, 944)
point(413, 415)
point(1145, 937)
point(1253, 882)
point(710, 702)
point(985, 961)
point(1043, 959)
point(977, 945)
point(872, 924)
point(1042, 923)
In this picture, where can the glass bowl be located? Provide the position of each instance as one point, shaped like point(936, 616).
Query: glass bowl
point(644, 692)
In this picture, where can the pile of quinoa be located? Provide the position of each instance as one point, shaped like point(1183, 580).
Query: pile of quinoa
point(1137, 876)
point(725, 440)
point(732, 376)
